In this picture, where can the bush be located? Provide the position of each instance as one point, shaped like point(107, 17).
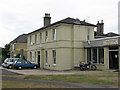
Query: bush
point(18, 56)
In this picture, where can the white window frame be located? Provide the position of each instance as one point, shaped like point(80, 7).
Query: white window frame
point(97, 56)
point(54, 34)
point(46, 34)
point(41, 37)
point(30, 56)
point(46, 57)
point(31, 40)
point(35, 38)
point(54, 57)
point(88, 35)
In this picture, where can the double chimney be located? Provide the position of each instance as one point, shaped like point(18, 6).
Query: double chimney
point(47, 19)
point(100, 28)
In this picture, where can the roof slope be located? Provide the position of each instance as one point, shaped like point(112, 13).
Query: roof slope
point(21, 38)
point(67, 21)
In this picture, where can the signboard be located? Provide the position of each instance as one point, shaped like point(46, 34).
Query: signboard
point(111, 41)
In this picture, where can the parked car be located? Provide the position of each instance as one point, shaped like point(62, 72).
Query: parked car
point(8, 62)
point(20, 64)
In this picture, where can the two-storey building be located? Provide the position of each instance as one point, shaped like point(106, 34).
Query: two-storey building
point(18, 46)
point(59, 46)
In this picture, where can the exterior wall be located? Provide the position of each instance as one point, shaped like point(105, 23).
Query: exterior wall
point(80, 35)
point(18, 47)
point(68, 45)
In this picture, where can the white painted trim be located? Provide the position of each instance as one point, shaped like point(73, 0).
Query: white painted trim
point(97, 56)
point(86, 55)
point(113, 50)
point(108, 59)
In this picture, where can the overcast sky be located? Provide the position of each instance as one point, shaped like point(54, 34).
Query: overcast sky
point(23, 16)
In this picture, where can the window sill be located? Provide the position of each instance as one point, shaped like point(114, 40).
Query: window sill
point(54, 65)
point(98, 64)
point(46, 64)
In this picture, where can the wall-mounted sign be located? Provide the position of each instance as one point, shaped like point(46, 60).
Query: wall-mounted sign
point(111, 41)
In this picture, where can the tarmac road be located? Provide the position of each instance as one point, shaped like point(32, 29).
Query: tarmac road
point(6, 72)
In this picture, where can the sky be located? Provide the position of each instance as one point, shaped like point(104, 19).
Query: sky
point(24, 16)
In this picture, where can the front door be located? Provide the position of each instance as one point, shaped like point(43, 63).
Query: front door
point(38, 53)
point(113, 59)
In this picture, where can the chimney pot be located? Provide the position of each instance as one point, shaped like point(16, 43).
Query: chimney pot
point(101, 21)
point(47, 15)
point(98, 22)
point(84, 20)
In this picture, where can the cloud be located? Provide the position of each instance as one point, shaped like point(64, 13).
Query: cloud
point(24, 16)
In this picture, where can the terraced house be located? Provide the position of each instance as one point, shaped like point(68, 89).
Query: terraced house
point(59, 46)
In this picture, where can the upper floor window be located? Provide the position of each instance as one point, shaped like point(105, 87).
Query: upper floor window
point(40, 37)
point(88, 35)
point(36, 38)
point(14, 46)
point(30, 56)
point(46, 39)
point(30, 40)
point(54, 34)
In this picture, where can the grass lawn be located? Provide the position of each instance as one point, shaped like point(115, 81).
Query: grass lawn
point(14, 84)
point(100, 79)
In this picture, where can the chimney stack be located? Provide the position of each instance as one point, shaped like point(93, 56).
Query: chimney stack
point(100, 28)
point(47, 19)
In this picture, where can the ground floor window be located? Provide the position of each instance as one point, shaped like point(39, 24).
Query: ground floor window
point(88, 54)
point(30, 56)
point(46, 56)
point(96, 55)
point(54, 57)
point(101, 55)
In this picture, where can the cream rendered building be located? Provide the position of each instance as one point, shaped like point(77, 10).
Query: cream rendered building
point(59, 46)
point(17, 45)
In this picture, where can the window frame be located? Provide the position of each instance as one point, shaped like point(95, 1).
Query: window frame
point(88, 34)
point(40, 37)
point(30, 40)
point(46, 57)
point(30, 56)
point(54, 34)
point(46, 36)
point(98, 56)
point(54, 57)
point(35, 38)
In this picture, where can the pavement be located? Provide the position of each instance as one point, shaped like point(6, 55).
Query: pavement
point(48, 72)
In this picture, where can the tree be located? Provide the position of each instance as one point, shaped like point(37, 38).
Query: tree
point(18, 56)
point(5, 52)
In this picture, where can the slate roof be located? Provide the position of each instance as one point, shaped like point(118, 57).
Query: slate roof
point(67, 21)
point(110, 34)
point(21, 38)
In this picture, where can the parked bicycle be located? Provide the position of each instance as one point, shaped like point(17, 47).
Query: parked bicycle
point(87, 66)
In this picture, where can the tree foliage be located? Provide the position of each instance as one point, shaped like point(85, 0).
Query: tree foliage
point(18, 56)
point(5, 52)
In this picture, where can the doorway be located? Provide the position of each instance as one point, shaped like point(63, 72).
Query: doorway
point(113, 59)
point(38, 57)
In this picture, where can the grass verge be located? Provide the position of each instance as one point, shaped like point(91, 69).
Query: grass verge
point(15, 84)
point(100, 78)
